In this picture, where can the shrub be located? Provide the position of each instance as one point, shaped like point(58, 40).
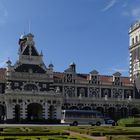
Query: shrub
point(118, 138)
point(129, 122)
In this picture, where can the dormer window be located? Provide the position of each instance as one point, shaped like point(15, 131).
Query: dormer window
point(68, 78)
point(93, 77)
point(70, 73)
point(117, 79)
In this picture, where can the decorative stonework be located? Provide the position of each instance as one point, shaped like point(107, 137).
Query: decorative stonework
point(94, 92)
point(117, 93)
point(69, 91)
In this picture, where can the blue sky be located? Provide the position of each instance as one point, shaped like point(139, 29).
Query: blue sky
point(92, 33)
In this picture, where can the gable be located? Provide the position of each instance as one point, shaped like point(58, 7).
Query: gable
point(30, 68)
point(27, 50)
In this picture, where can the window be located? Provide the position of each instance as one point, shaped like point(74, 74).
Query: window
point(16, 84)
point(49, 101)
point(136, 39)
point(69, 78)
point(0, 88)
point(132, 41)
point(117, 81)
point(44, 85)
point(94, 79)
point(30, 87)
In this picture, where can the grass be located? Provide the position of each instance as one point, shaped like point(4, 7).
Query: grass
point(58, 132)
point(118, 138)
point(129, 121)
point(36, 133)
point(43, 138)
point(106, 130)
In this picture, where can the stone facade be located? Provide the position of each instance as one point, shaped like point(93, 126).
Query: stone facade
point(28, 94)
point(32, 92)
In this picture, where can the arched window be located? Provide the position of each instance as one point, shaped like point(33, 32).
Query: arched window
point(132, 41)
point(30, 87)
point(136, 39)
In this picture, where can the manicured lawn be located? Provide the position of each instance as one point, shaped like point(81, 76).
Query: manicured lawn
point(112, 132)
point(36, 133)
point(106, 130)
point(43, 138)
point(58, 132)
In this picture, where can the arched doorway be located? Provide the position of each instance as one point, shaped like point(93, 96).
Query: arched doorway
point(2, 113)
point(93, 106)
point(112, 112)
point(73, 108)
point(100, 109)
point(34, 112)
point(86, 108)
point(124, 112)
point(80, 106)
point(17, 113)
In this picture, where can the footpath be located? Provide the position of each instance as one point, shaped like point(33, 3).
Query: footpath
point(87, 136)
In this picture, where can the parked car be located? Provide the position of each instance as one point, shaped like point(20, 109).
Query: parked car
point(109, 121)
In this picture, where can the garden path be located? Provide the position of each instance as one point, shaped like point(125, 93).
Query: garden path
point(87, 136)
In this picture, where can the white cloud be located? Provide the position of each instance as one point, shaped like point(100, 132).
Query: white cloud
point(109, 5)
point(136, 12)
point(119, 70)
point(133, 12)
